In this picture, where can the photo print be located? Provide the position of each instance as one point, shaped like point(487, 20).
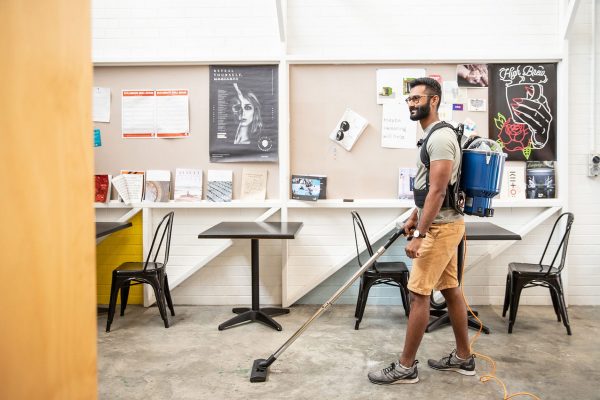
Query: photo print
point(472, 75)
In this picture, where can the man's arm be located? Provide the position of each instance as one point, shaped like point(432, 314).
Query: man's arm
point(439, 176)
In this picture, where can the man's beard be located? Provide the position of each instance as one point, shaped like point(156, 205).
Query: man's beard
point(421, 112)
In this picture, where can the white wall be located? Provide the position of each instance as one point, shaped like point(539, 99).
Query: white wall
point(422, 30)
point(130, 31)
point(584, 199)
point(184, 30)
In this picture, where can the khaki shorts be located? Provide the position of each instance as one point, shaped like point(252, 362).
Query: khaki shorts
point(436, 267)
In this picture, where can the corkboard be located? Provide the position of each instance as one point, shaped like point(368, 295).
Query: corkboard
point(319, 94)
point(117, 153)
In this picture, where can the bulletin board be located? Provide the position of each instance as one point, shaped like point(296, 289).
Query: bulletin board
point(319, 94)
point(117, 153)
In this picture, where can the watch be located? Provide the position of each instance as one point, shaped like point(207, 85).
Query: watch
point(417, 234)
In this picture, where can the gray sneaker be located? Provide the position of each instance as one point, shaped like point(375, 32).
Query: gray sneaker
point(453, 363)
point(395, 373)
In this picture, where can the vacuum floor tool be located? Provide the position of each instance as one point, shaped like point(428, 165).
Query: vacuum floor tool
point(260, 367)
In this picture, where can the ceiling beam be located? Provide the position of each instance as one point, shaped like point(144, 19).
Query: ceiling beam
point(569, 18)
point(280, 20)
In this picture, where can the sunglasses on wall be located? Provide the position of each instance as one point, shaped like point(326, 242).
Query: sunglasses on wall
point(344, 126)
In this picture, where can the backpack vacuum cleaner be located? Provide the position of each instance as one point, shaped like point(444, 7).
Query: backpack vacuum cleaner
point(480, 176)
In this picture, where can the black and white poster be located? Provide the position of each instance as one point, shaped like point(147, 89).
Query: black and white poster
point(243, 113)
point(522, 110)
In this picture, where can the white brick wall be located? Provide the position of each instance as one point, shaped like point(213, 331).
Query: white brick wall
point(422, 30)
point(208, 31)
point(184, 30)
point(584, 249)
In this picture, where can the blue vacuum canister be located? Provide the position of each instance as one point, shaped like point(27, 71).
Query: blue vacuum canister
point(481, 174)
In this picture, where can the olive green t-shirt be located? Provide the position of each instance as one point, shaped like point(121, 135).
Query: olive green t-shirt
point(442, 145)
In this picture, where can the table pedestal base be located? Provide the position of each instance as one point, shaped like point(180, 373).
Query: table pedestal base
point(261, 315)
point(443, 318)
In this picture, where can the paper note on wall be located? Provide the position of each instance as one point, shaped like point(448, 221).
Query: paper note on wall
point(172, 113)
point(101, 104)
point(97, 138)
point(138, 113)
point(397, 130)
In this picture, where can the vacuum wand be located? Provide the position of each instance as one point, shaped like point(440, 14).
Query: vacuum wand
point(260, 366)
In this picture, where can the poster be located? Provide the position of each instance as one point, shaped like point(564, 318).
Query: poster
point(162, 113)
point(522, 110)
point(243, 113)
point(138, 110)
point(172, 113)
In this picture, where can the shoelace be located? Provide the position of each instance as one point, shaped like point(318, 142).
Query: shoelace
point(401, 369)
point(446, 360)
point(387, 371)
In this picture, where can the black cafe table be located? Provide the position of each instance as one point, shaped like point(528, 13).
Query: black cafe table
point(106, 228)
point(473, 231)
point(253, 231)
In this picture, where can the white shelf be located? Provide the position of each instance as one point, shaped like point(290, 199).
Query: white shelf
point(328, 203)
point(357, 203)
point(527, 203)
point(197, 204)
point(393, 203)
point(115, 204)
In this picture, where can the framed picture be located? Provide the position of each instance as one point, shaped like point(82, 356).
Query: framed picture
point(309, 187)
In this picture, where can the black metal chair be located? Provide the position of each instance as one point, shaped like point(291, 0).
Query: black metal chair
point(524, 275)
point(380, 273)
point(150, 272)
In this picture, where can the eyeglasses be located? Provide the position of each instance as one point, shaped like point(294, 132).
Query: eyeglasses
point(344, 126)
point(417, 97)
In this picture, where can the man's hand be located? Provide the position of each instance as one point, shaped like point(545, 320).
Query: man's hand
point(410, 224)
point(413, 247)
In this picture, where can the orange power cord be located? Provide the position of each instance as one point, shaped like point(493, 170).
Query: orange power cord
point(491, 376)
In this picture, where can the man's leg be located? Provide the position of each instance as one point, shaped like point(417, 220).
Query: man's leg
point(457, 309)
point(417, 323)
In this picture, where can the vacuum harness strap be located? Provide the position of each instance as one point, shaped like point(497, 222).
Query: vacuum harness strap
point(454, 196)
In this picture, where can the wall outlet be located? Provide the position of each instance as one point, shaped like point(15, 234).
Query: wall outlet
point(594, 166)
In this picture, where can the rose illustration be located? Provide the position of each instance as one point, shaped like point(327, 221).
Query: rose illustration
point(513, 136)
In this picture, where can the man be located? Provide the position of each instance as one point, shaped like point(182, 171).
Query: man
point(435, 230)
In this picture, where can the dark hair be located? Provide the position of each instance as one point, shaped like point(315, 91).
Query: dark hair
point(432, 87)
point(257, 124)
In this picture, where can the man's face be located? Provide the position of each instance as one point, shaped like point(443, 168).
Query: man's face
point(419, 103)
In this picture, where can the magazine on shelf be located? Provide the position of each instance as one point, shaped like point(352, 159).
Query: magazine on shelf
point(309, 187)
point(348, 129)
point(102, 184)
point(541, 180)
point(130, 186)
point(158, 186)
point(188, 184)
point(406, 183)
point(219, 185)
point(513, 182)
point(254, 184)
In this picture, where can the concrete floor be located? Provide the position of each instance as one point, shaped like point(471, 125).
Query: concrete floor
point(140, 359)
